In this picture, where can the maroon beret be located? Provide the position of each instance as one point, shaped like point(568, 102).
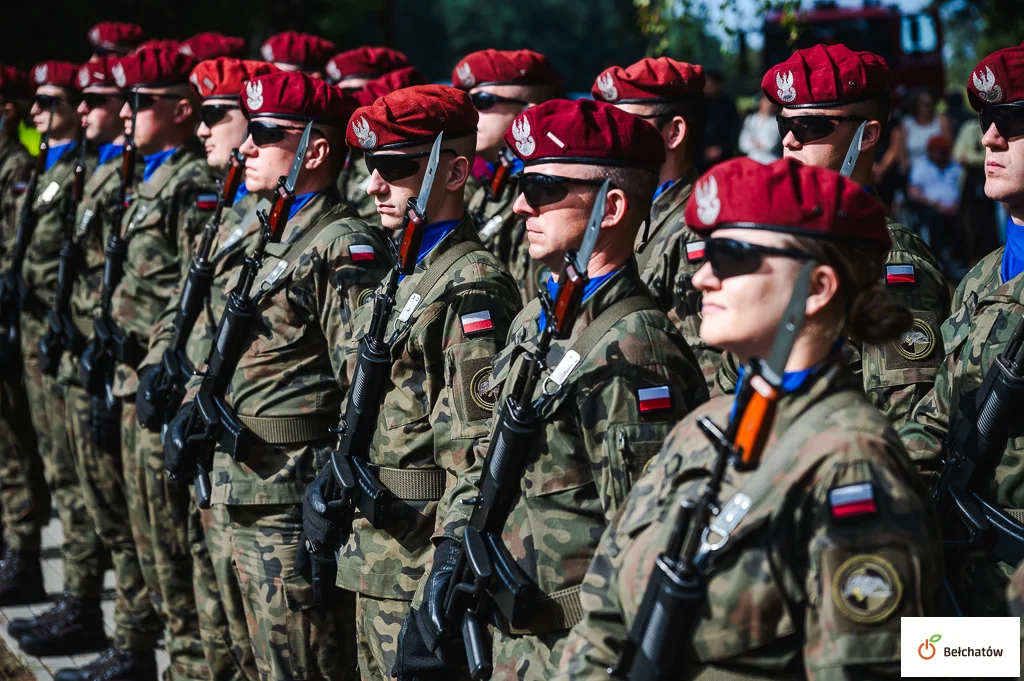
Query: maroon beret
point(115, 36)
point(584, 131)
point(786, 196)
point(153, 67)
point(365, 62)
point(58, 73)
point(503, 67)
point(97, 72)
point(224, 77)
point(301, 49)
point(296, 95)
point(13, 83)
point(388, 83)
point(412, 115)
point(157, 44)
point(650, 81)
point(212, 45)
point(998, 79)
point(825, 76)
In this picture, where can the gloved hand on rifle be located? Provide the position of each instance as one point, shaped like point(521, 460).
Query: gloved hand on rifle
point(420, 655)
point(175, 441)
point(151, 398)
point(320, 535)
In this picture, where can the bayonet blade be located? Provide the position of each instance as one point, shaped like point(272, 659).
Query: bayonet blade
point(791, 322)
point(593, 228)
point(850, 162)
point(300, 157)
point(428, 177)
point(3, 121)
point(46, 135)
point(135, 116)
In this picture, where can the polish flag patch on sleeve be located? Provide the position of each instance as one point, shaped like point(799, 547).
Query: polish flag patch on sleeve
point(695, 251)
point(654, 399)
point(359, 253)
point(18, 188)
point(476, 322)
point(899, 274)
point(206, 201)
point(852, 500)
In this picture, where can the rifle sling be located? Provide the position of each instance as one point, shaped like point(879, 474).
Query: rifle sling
point(443, 265)
point(603, 323)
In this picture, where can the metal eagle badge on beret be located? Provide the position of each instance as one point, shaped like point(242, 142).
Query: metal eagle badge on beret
point(41, 72)
point(784, 83)
point(366, 136)
point(867, 589)
point(465, 74)
point(525, 144)
point(708, 203)
point(254, 95)
point(988, 89)
point(606, 86)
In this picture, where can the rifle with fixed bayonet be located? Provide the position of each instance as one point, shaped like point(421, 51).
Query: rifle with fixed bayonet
point(62, 335)
point(486, 575)
point(212, 422)
point(673, 602)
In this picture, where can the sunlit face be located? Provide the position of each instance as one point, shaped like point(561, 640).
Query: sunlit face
point(827, 152)
point(103, 122)
point(1004, 167)
point(496, 119)
point(153, 123)
point(220, 138)
point(392, 198)
point(65, 119)
point(264, 165)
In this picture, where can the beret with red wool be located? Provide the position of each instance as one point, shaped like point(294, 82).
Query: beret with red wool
point(824, 76)
point(153, 67)
point(97, 72)
point(503, 67)
point(365, 62)
point(157, 44)
point(297, 96)
point(412, 115)
point(786, 196)
point(212, 45)
point(57, 73)
point(651, 81)
point(997, 79)
point(13, 83)
point(585, 131)
point(301, 49)
point(224, 77)
point(388, 83)
point(115, 36)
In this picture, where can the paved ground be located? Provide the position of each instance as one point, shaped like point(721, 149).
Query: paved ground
point(53, 574)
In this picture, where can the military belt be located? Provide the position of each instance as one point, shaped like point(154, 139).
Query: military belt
point(413, 484)
point(289, 430)
point(558, 611)
point(722, 674)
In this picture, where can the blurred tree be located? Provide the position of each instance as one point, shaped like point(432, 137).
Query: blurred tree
point(975, 28)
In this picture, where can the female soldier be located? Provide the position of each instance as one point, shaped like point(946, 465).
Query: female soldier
point(837, 540)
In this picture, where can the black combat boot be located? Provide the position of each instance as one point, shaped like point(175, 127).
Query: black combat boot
point(21, 578)
point(114, 665)
point(22, 625)
point(72, 627)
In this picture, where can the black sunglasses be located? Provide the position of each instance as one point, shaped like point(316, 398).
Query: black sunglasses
point(482, 101)
point(46, 101)
point(1008, 119)
point(542, 190)
point(138, 101)
point(95, 100)
point(264, 133)
point(395, 167)
point(212, 114)
point(732, 258)
point(812, 127)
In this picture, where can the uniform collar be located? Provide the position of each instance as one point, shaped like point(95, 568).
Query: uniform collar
point(109, 152)
point(54, 154)
point(590, 289)
point(154, 161)
point(795, 381)
point(300, 202)
point(432, 235)
point(241, 193)
point(1013, 254)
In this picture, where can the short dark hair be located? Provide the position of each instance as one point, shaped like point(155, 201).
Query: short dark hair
point(638, 184)
point(693, 110)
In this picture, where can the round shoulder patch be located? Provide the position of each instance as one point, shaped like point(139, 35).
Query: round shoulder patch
point(916, 343)
point(867, 589)
point(364, 296)
point(481, 391)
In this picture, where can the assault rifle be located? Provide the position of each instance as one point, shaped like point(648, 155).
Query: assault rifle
point(486, 574)
point(356, 482)
point(977, 440)
point(212, 421)
point(177, 369)
point(13, 291)
point(63, 335)
point(672, 603)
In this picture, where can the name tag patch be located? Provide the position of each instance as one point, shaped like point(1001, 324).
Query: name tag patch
point(852, 500)
point(899, 274)
point(654, 399)
point(476, 322)
point(362, 253)
point(695, 251)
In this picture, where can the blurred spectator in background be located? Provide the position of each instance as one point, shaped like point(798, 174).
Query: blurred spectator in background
point(934, 186)
point(760, 138)
point(723, 123)
point(921, 124)
point(978, 212)
point(956, 112)
point(889, 173)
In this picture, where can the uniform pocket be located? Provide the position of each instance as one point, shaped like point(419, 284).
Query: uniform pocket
point(471, 387)
point(629, 447)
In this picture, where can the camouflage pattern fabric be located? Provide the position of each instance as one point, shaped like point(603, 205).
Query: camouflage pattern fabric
point(496, 223)
point(596, 439)
point(354, 190)
point(378, 624)
point(432, 415)
point(1015, 594)
point(15, 167)
point(796, 591)
point(972, 338)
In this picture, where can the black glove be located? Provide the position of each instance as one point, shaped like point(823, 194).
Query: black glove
point(106, 425)
point(322, 508)
point(414, 661)
point(151, 397)
point(430, 616)
point(175, 444)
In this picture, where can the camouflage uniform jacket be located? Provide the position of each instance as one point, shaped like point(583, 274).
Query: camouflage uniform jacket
point(800, 590)
point(669, 253)
point(435, 411)
point(496, 222)
point(15, 167)
point(160, 227)
point(596, 435)
point(895, 376)
point(352, 185)
point(294, 364)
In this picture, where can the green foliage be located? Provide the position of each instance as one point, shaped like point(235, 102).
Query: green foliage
point(976, 28)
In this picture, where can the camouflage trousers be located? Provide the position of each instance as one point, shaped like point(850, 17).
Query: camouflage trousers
point(102, 482)
point(82, 553)
point(378, 623)
point(23, 494)
point(222, 625)
point(158, 510)
point(528, 657)
point(294, 639)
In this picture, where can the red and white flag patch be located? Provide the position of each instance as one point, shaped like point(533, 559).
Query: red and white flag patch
point(206, 201)
point(18, 188)
point(852, 500)
point(360, 253)
point(695, 251)
point(476, 322)
point(899, 274)
point(654, 399)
